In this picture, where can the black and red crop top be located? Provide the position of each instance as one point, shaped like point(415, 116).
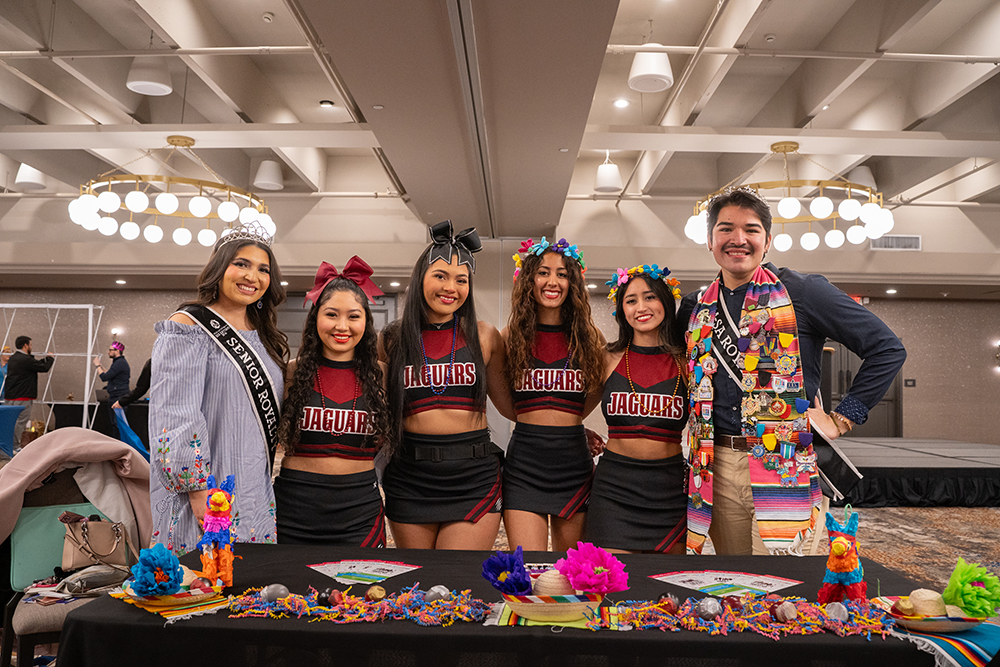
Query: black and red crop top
point(656, 409)
point(457, 379)
point(553, 383)
point(332, 423)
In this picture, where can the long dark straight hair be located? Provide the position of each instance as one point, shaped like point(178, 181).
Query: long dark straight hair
point(670, 338)
point(366, 367)
point(402, 339)
point(263, 319)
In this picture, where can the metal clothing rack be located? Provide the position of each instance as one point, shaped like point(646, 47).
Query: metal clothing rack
point(53, 311)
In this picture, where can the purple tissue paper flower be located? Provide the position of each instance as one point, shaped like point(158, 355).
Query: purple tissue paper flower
point(507, 574)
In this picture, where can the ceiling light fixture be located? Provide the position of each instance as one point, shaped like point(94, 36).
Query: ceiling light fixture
point(650, 72)
point(29, 178)
point(269, 176)
point(101, 197)
point(890, 291)
point(621, 103)
point(394, 284)
point(609, 178)
point(871, 221)
point(149, 76)
point(326, 104)
point(119, 282)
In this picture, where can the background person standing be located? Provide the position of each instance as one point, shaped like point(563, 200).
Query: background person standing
point(21, 387)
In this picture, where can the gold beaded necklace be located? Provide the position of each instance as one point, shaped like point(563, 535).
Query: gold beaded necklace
point(628, 374)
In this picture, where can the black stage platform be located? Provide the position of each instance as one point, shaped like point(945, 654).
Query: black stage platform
point(911, 472)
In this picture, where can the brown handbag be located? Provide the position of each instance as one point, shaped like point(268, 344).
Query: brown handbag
point(94, 542)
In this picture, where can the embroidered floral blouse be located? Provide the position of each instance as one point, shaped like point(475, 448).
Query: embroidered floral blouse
point(201, 422)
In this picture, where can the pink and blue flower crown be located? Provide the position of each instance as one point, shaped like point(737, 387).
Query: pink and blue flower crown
point(622, 276)
point(562, 246)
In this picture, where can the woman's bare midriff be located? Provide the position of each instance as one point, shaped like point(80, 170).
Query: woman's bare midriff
point(444, 422)
point(642, 448)
point(550, 418)
point(327, 465)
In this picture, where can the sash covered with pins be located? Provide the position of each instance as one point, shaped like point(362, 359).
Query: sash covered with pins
point(760, 353)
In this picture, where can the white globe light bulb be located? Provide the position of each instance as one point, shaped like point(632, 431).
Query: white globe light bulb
point(91, 222)
point(182, 236)
point(107, 226)
point(76, 212)
point(88, 203)
point(227, 231)
point(109, 201)
point(782, 242)
point(137, 201)
point(129, 231)
point(849, 209)
point(871, 213)
point(248, 215)
point(888, 220)
point(874, 231)
point(267, 223)
point(200, 206)
point(834, 238)
point(153, 233)
point(700, 234)
point(856, 234)
point(809, 241)
point(229, 211)
point(207, 237)
point(689, 226)
point(166, 203)
point(821, 207)
point(789, 207)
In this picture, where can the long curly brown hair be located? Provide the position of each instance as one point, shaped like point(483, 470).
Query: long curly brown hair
point(311, 352)
point(582, 337)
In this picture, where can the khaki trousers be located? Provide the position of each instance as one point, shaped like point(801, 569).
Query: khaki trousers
point(734, 521)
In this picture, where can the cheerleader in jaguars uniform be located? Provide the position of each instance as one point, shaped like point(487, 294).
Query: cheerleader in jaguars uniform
point(638, 501)
point(443, 481)
point(333, 419)
point(555, 364)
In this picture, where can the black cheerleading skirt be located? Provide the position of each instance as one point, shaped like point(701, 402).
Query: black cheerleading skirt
point(637, 505)
point(441, 478)
point(334, 510)
point(548, 470)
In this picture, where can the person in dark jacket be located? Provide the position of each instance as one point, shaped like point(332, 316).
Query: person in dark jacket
point(21, 387)
point(141, 387)
point(118, 375)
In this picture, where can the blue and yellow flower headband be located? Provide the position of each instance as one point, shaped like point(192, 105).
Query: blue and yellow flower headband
point(561, 246)
point(622, 276)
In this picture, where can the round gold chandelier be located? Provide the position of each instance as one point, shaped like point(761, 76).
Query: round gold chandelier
point(104, 197)
point(861, 205)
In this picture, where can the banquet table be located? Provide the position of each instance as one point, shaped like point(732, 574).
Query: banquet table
point(109, 631)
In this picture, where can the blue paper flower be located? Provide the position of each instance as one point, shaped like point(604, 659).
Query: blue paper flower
point(158, 572)
point(507, 574)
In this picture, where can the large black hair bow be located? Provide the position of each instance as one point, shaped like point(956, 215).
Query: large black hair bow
point(446, 242)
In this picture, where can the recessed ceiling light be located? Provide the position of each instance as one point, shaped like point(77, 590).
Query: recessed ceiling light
point(284, 283)
point(268, 17)
point(326, 104)
point(115, 331)
point(394, 284)
point(890, 291)
point(591, 286)
point(377, 107)
point(825, 107)
point(769, 38)
point(119, 282)
point(621, 104)
point(564, 150)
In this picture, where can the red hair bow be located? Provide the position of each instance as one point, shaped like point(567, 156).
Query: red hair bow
point(356, 270)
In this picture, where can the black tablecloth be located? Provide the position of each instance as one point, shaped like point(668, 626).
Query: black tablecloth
point(111, 632)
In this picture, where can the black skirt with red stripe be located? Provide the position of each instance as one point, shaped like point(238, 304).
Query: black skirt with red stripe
point(334, 510)
point(442, 478)
point(548, 470)
point(637, 504)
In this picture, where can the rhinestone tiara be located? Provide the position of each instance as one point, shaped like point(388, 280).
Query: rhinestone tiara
point(750, 192)
point(252, 231)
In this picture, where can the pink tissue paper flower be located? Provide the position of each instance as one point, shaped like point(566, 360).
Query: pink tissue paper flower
point(593, 569)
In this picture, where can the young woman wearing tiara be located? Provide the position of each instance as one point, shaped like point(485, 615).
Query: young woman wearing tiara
point(442, 484)
point(218, 368)
point(334, 418)
point(555, 364)
point(638, 501)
